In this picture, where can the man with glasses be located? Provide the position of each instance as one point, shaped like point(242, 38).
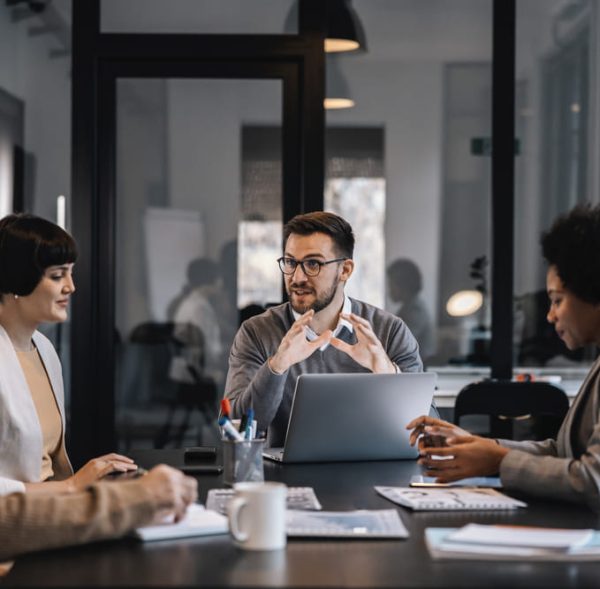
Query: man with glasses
point(320, 329)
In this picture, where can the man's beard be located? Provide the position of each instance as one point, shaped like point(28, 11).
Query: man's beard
point(320, 302)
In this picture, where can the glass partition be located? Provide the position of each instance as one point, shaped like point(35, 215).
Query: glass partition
point(35, 124)
point(412, 173)
point(192, 246)
point(556, 164)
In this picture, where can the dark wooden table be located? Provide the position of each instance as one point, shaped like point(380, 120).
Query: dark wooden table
point(216, 562)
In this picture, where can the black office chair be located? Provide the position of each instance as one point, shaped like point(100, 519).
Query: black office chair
point(161, 363)
point(537, 409)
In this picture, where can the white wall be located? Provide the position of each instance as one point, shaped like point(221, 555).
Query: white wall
point(204, 140)
point(405, 99)
point(44, 84)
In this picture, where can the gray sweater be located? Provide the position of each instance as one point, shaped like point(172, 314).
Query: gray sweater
point(250, 382)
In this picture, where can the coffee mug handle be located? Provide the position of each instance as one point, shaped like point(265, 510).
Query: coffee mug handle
point(233, 510)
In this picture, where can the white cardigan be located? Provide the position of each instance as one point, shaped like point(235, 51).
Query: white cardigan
point(21, 444)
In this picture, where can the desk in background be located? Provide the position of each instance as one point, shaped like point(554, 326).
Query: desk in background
point(215, 562)
point(451, 379)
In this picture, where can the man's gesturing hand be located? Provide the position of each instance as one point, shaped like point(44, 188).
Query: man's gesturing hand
point(294, 346)
point(367, 351)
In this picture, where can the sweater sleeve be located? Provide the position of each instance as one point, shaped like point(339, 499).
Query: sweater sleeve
point(250, 381)
point(403, 349)
point(105, 510)
point(535, 468)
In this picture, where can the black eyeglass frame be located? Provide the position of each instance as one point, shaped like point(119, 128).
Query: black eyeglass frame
point(301, 263)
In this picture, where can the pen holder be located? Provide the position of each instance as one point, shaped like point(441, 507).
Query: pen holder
point(243, 461)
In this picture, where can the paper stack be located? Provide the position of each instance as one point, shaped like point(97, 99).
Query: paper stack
point(494, 542)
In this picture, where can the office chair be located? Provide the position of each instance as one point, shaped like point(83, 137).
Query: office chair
point(540, 405)
point(168, 371)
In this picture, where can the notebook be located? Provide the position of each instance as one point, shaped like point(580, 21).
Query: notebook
point(451, 499)
point(197, 522)
point(445, 543)
point(348, 417)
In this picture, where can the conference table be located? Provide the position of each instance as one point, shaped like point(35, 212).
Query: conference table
point(214, 561)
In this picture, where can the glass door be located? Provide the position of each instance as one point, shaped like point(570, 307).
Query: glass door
point(198, 217)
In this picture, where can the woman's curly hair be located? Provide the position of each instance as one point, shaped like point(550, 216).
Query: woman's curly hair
point(572, 246)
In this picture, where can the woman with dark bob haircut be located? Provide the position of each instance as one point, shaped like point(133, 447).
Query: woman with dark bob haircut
point(36, 283)
point(569, 467)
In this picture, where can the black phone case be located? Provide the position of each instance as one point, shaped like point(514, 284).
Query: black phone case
point(200, 453)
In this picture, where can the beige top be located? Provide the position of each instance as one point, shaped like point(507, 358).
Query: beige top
point(45, 406)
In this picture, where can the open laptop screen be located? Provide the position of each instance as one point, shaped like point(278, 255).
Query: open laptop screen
point(342, 417)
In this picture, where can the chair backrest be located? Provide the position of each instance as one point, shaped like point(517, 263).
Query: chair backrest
point(506, 401)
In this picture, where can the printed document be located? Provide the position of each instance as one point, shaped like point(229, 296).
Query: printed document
point(455, 498)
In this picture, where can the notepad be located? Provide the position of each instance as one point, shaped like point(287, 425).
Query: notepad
point(441, 544)
point(526, 536)
point(455, 498)
point(360, 524)
point(198, 521)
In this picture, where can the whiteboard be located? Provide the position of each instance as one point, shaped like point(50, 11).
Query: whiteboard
point(173, 237)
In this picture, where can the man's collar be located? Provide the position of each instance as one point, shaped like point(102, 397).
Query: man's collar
point(346, 309)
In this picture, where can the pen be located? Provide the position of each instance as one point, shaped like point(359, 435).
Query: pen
point(243, 422)
point(249, 420)
point(229, 430)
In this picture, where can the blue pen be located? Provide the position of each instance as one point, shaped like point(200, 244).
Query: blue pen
point(248, 433)
point(229, 430)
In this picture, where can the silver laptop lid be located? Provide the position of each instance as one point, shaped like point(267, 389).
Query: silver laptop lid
point(343, 417)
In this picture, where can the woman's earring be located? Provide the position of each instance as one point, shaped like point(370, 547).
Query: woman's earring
point(16, 297)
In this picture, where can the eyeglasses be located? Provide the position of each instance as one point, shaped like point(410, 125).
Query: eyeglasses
point(310, 267)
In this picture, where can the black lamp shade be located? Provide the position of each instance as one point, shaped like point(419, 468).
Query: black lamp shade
point(344, 29)
point(337, 91)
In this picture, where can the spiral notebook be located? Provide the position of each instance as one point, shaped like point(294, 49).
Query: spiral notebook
point(455, 498)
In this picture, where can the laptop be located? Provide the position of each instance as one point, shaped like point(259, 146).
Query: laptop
point(343, 417)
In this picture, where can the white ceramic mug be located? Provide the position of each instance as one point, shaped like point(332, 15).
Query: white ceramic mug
point(257, 515)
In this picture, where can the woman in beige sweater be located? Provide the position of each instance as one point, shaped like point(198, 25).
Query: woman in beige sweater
point(36, 283)
point(30, 522)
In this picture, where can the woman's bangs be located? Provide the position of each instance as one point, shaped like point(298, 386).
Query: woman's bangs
point(59, 251)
